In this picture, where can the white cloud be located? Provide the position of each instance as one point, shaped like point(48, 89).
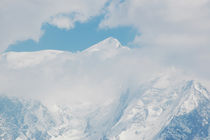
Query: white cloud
point(62, 22)
point(175, 31)
point(23, 19)
point(96, 76)
point(92, 77)
point(172, 33)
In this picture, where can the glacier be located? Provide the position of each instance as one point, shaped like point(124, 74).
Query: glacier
point(110, 104)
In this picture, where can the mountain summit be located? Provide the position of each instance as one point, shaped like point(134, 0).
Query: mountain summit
point(108, 43)
point(104, 49)
point(107, 48)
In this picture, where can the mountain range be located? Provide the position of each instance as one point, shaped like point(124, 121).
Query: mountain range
point(162, 107)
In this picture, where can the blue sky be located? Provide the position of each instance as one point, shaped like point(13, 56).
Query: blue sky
point(162, 29)
point(82, 36)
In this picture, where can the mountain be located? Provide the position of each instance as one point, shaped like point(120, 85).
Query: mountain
point(107, 48)
point(107, 44)
point(181, 112)
point(167, 114)
point(97, 94)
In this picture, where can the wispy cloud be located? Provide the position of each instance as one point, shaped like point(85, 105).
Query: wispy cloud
point(96, 75)
point(176, 32)
point(171, 34)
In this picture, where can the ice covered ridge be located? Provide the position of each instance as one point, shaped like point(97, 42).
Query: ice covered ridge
point(107, 48)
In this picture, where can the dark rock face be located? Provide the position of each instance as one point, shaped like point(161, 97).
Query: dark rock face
point(193, 125)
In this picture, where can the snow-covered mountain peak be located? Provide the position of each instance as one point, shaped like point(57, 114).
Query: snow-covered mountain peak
point(109, 44)
point(195, 94)
point(106, 49)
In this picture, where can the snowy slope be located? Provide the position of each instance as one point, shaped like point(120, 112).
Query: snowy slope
point(112, 102)
point(180, 112)
point(156, 109)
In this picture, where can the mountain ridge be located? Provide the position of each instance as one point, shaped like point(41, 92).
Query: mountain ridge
point(135, 116)
point(106, 48)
